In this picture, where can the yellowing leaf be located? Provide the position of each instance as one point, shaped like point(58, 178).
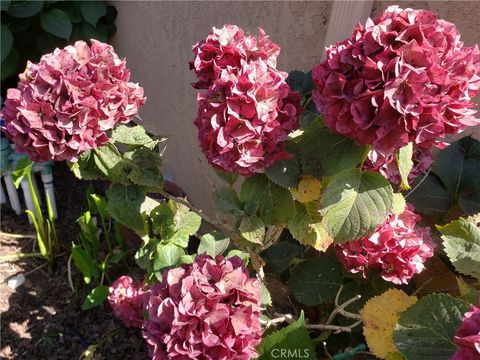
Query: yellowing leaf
point(307, 229)
point(398, 204)
point(395, 356)
point(405, 164)
point(467, 291)
point(380, 315)
point(308, 189)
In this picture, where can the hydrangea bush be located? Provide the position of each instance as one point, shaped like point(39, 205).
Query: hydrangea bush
point(342, 194)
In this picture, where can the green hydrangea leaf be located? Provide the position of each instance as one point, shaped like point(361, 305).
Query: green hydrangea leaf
point(306, 227)
point(425, 330)
point(291, 342)
point(96, 297)
point(92, 11)
point(316, 280)
point(167, 255)
point(324, 153)
point(124, 203)
point(7, 41)
point(213, 244)
point(24, 9)
point(354, 203)
point(461, 240)
point(56, 22)
point(273, 204)
point(134, 136)
point(226, 201)
point(252, 229)
point(284, 172)
point(279, 256)
point(144, 167)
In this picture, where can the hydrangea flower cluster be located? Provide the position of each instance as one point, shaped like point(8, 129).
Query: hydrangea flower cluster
point(397, 249)
point(404, 78)
point(246, 109)
point(386, 164)
point(467, 336)
point(126, 299)
point(66, 103)
point(207, 310)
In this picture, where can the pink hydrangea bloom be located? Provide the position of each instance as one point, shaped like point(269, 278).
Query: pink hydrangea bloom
point(67, 102)
point(126, 299)
point(207, 310)
point(404, 78)
point(467, 336)
point(397, 248)
point(386, 164)
point(228, 47)
point(247, 109)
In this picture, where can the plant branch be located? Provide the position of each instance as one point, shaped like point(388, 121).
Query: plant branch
point(335, 328)
point(219, 226)
point(340, 308)
point(288, 318)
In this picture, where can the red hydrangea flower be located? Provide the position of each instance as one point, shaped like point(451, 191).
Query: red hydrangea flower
point(228, 47)
point(397, 248)
point(404, 78)
point(207, 310)
point(247, 109)
point(386, 164)
point(467, 336)
point(67, 102)
point(126, 299)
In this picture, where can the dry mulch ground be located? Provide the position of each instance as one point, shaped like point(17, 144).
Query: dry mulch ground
point(42, 319)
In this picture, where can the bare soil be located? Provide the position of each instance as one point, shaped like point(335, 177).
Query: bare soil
point(42, 319)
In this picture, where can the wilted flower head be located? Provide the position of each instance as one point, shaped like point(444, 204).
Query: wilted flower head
point(397, 248)
point(247, 109)
point(126, 299)
point(67, 102)
point(387, 165)
point(404, 78)
point(467, 336)
point(207, 310)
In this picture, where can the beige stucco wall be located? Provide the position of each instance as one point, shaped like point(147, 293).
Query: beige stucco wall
point(156, 38)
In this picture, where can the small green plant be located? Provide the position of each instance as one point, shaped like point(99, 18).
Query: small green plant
point(44, 226)
point(97, 249)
